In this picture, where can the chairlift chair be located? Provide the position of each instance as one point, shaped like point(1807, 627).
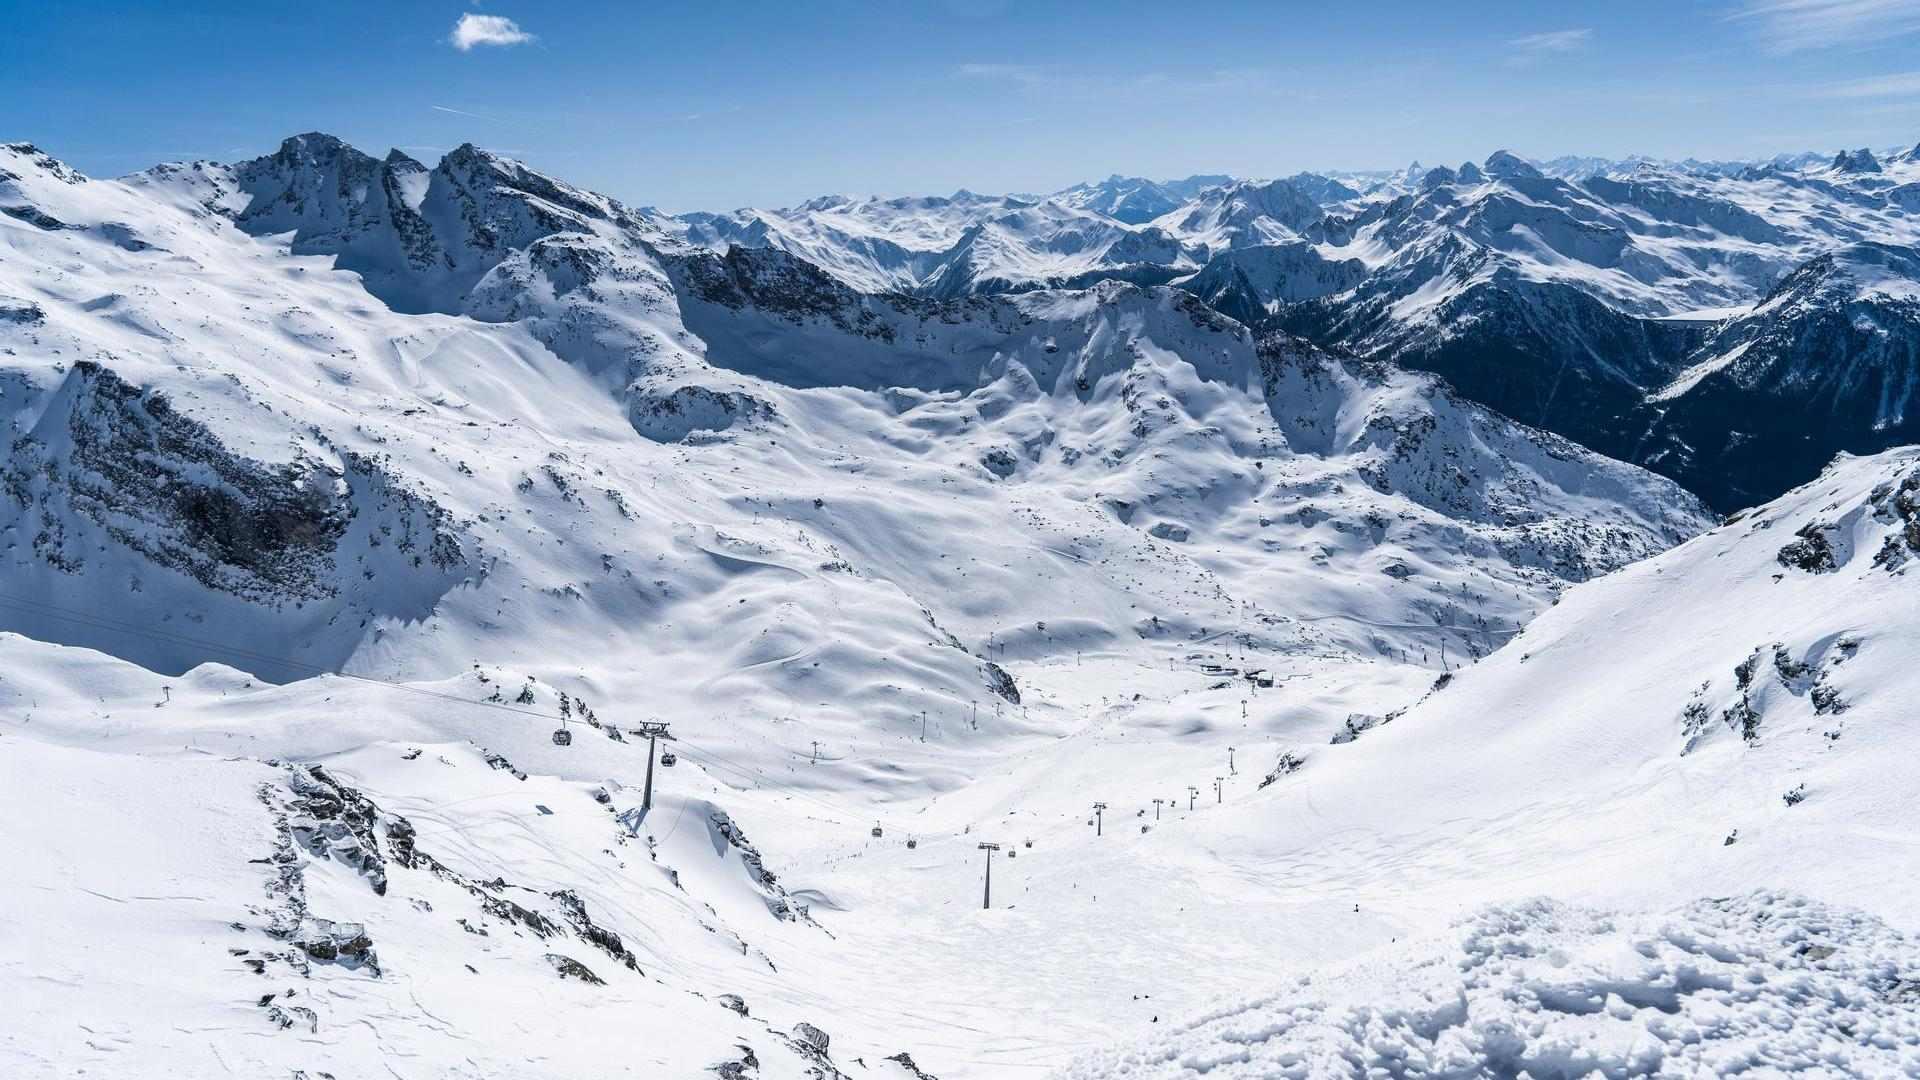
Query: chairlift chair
point(912, 843)
point(562, 737)
point(876, 830)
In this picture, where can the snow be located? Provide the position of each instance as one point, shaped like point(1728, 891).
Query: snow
point(1635, 744)
point(1691, 377)
point(957, 569)
point(1765, 982)
point(1661, 239)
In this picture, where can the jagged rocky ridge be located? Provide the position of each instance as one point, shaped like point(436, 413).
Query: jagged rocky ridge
point(1563, 295)
point(1050, 385)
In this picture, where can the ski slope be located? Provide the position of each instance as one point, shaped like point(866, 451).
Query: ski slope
point(336, 485)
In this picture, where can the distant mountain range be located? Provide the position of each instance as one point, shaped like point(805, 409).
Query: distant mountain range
point(1577, 294)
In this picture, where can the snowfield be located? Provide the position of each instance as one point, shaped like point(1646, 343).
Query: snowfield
point(1763, 983)
point(356, 514)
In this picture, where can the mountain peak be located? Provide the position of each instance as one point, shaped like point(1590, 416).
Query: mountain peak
point(1507, 165)
point(1859, 161)
point(313, 143)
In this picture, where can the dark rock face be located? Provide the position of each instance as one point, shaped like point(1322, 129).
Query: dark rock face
point(333, 821)
point(21, 312)
point(569, 968)
point(165, 486)
point(905, 1061)
point(790, 288)
point(115, 491)
point(1811, 552)
point(1823, 365)
point(672, 415)
point(1898, 502)
point(1247, 283)
point(35, 217)
point(1544, 354)
point(1828, 362)
point(1000, 681)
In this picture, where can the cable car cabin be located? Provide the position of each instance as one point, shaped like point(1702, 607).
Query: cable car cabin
point(876, 830)
point(911, 844)
point(1011, 852)
point(563, 737)
point(667, 758)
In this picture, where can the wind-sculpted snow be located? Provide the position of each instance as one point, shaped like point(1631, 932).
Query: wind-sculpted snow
point(1762, 982)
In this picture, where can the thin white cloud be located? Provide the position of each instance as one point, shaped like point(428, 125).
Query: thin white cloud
point(1553, 41)
point(1797, 25)
point(461, 112)
point(474, 30)
point(1904, 84)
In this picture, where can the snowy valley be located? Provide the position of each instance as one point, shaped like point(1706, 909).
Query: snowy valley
point(1229, 553)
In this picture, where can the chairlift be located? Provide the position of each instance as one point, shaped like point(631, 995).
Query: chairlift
point(876, 830)
point(912, 843)
point(562, 737)
point(1011, 853)
point(1029, 843)
point(667, 758)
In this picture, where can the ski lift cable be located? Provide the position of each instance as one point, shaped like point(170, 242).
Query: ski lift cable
point(710, 758)
point(752, 774)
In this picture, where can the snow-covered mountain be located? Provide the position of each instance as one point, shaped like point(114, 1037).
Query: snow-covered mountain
point(1136, 200)
point(1567, 293)
point(335, 484)
point(1724, 716)
point(1831, 358)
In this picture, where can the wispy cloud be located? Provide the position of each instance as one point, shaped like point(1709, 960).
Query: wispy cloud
point(462, 112)
point(1797, 25)
point(474, 30)
point(1904, 84)
point(1553, 41)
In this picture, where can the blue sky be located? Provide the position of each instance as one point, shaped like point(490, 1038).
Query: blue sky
point(720, 104)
